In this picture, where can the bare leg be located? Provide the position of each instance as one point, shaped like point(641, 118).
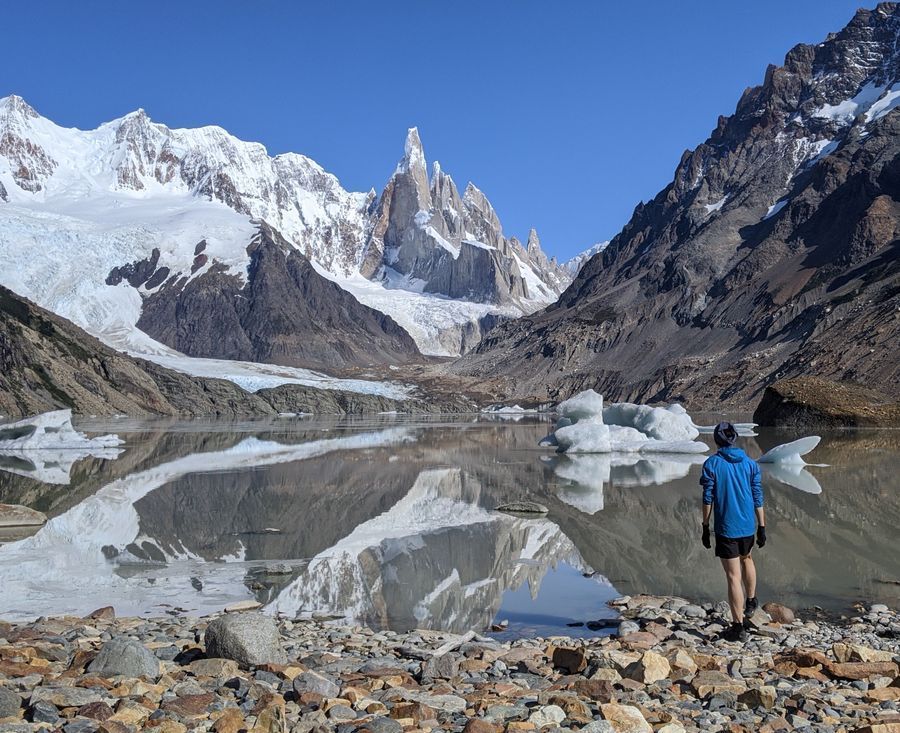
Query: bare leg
point(732, 568)
point(748, 571)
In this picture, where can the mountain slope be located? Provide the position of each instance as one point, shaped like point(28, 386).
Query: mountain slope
point(773, 252)
point(132, 186)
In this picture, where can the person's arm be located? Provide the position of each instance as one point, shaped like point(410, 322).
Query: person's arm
point(757, 491)
point(708, 482)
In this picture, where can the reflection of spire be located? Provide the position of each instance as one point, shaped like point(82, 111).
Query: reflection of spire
point(434, 559)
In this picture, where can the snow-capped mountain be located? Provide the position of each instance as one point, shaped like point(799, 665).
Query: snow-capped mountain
point(574, 265)
point(191, 200)
point(772, 253)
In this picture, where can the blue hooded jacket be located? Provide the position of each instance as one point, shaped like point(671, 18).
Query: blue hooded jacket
point(732, 485)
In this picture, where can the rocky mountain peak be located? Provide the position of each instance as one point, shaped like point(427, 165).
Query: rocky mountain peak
point(772, 253)
point(15, 106)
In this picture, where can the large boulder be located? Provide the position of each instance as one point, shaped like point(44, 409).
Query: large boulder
point(250, 639)
point(125, 657)
point(812, 403)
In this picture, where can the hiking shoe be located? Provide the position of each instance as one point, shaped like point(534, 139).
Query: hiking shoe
point(735, 632)
point(749, 609)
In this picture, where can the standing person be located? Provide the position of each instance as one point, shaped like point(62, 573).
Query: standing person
point(732, 492)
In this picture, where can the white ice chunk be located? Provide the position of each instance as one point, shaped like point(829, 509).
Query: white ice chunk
point(655, 422)
point(744, 429)
point(50, 431)
point(585, 436)
point(587, 404)
point(791, 452)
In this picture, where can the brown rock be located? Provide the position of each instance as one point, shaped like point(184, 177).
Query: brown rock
point(779, 613)
point(885, 694)
point(167, 725)
point(230, 721)
point(625, 718)
point(572, 661)
point(190, 705)
point(709, 682)
point(859, 653)
point(114, 726)
point(477, 725)
point(574, 708)
point(759, 697)
point(879, 728)
point(651, 667)
point(272, 718)
point(639, 640)
point(658, 630)
point(96, 711)
point(594, 689)
point(861, 670)
point(214, 667)
point(107, 613)
point(414, 710)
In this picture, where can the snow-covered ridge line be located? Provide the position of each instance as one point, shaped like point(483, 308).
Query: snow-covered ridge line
point(132, 185)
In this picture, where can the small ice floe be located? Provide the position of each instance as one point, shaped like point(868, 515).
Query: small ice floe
point(791, 452)
point(507, 412)
point(45, 447)
point(744, 429)
point(586, 426)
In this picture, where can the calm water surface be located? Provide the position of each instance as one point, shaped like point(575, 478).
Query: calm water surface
point(389, 521)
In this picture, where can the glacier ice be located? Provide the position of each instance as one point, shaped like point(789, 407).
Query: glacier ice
point(791, 452)
point(50, 431)
point(586, 426)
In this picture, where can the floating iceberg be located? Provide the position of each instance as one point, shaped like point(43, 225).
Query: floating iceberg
point(50, 431)
point(791, 452)
point(585, 426)
point(46, 447)
point(744, 429)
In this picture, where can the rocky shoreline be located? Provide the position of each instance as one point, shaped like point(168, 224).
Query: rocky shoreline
point(664, 670)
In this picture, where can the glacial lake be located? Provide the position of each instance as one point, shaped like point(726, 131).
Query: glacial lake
point(390, 521)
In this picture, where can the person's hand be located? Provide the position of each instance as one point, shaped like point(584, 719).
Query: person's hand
point(761, 535)
point(705, 537)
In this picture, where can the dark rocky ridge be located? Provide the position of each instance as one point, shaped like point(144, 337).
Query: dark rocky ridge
point(286, 313)
point(48, 363)
point(810, 403)
point(716, 288)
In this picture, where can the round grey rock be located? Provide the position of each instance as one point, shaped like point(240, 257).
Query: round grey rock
point(250, 639)
point(627, 627)
point(125, 657)
point(314, 682)
point(10, 703)
point(383, 725)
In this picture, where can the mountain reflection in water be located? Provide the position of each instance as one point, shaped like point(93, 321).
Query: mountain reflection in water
point(390, 522)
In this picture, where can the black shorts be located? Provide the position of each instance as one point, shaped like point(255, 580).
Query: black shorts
point(731, 547)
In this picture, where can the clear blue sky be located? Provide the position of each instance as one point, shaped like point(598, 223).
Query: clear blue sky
point(566, 114)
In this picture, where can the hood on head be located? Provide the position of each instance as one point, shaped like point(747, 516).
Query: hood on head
point(725, 434)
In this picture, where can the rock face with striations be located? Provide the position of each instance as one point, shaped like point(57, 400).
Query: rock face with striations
point(453, 244)
point(774, 251)
point(285, 313)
